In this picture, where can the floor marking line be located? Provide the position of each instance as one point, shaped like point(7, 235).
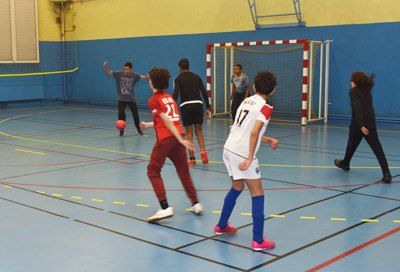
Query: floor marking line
point(369, 220)
point(118, 203)
point(77, 197)
point(57, 195)
point(353, 250)
point(29, 151)
point(338, 219)
point(157, 245)
point(320, 240)
point(142, 205)
point(277, 215)
point(308, 217)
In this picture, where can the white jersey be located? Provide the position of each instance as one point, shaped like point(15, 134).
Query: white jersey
point(252, 108)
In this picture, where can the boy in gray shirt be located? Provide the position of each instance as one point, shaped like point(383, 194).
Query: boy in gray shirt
point(240, 89)
point(126, 81)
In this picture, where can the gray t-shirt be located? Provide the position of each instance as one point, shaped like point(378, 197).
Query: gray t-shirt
point(240, 83)
point(125, 85)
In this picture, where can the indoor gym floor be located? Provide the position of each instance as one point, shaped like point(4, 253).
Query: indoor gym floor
point(75, 196)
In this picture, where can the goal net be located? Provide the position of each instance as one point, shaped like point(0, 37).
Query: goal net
point(292, 61)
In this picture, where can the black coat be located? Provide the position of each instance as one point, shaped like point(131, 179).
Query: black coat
point(362, 112)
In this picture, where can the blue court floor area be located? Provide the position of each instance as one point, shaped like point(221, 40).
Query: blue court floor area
point(74, 196)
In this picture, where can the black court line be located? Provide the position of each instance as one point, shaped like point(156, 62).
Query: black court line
point(312, 186)
point(35, 208)
point(332, 153)
point(286, 212)
point(213, 237)
point(337, 149)
point(120, 233)
point(320, 240)
point(138, 219)
point(159, 245)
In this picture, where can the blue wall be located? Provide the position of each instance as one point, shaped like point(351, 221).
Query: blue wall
point(367, 47)
point(34, 87)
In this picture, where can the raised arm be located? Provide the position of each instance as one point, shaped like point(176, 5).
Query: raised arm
point(107, 68)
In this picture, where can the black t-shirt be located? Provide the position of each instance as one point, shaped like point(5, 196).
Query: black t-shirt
point(188, 86)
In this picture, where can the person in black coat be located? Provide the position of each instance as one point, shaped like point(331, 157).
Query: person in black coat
point(363, 124)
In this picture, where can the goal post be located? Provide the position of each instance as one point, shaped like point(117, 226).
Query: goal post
point(295, 64)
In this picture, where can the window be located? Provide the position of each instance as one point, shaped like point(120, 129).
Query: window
point(18, 31)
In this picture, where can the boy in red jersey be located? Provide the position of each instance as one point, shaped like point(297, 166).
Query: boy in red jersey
point(169, 144)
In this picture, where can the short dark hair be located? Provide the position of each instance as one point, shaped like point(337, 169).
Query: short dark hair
point(239, 65)
point(184, 64)
point(159, 78)
point(264, 82)
point(128, 64)
point(362, 80)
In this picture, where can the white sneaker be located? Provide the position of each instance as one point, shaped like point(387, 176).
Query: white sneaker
point(161, 214)
point(197, 208)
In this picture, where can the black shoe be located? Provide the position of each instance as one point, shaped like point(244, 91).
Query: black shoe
point(340, 164)
point(387, 178)
point(140, 132)
point(121, 132)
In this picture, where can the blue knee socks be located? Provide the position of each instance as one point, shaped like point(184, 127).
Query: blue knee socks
point(258, 218)
point(229, 204)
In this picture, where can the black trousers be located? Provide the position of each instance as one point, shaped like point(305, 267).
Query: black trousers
point(236, 101)
point(132, 105)
point(355, 137)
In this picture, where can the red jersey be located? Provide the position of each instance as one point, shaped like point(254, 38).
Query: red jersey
point(163, 102)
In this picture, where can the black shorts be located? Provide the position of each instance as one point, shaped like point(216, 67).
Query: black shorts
point(192, 114)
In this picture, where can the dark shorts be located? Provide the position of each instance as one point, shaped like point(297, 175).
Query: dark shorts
point(192, 114)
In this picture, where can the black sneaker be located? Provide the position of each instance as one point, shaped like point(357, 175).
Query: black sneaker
point(121, 132)
point(387, 178)
point(340, 164)
point(140, 132)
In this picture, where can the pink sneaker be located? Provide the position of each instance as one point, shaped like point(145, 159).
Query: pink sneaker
point(266, 244)
point(226, 231)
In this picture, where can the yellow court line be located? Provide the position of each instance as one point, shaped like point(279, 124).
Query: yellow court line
point(370, 220)
point(97, 200)
point(41, 192)
point(396, 221)
point(142, 205)
point(30, 151)
point(277, 215)
point(216, 211)
point(7, 186)
point(77, 197)
point(338, 219)
point(246, 213)
point(308, 217)
point(57, 195)
point(118, 203)
point(147, 156)
point(41, 73)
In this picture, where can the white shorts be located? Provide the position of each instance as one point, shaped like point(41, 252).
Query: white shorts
point(232, 162)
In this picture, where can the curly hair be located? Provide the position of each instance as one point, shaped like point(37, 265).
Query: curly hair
point(265, 82)
point(159, 78)
point(363, 80)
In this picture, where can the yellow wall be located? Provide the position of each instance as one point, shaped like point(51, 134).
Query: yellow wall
point(104, 19)
point(48, 28)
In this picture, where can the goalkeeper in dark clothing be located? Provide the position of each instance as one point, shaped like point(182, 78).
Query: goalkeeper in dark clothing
point(188, 86)
point(363, 124)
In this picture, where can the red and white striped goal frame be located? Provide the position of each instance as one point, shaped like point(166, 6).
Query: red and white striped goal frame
point(304, 92)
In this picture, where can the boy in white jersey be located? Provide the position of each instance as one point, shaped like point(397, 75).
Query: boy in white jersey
point(239, 153)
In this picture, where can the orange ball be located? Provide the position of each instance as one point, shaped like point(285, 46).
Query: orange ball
point(120, 124)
